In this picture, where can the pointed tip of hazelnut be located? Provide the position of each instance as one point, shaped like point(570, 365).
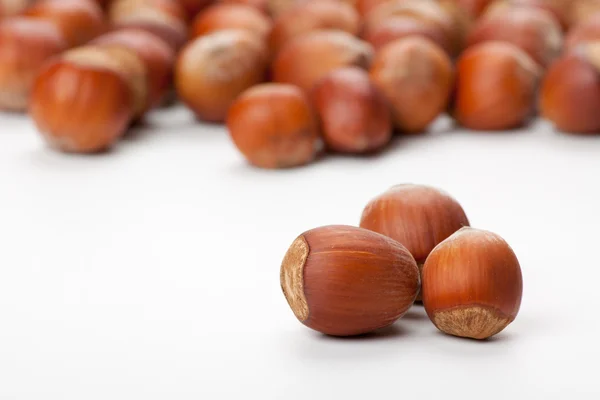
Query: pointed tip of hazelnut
point(475, 322)
point(292, 277)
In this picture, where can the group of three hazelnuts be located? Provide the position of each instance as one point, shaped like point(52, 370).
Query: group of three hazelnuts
point(414, 243)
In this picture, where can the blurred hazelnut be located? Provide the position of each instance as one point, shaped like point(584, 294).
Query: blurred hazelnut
point(416, 77)
point(273, 126)
point(496, 87)
point(79, 20)
point(354, 115)
point(25, 45)
point(570, 94)
point(308, 58)
point(431, 12)
point(230, 16)
point(312, 16)
point(395, 28)
point(212, 70)
point(533, 30)
point(158, 58)
point(84, 101)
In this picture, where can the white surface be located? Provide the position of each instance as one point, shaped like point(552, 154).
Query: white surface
point(152, 272)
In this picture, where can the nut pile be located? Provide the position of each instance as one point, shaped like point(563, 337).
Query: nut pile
point(294, 78)
point(414, 243)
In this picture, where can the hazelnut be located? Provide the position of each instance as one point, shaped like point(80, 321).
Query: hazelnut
point(261, 5)
point(158, 57)
point(420, 217)
point(394, 28)
point(560, 9)
point(416, 77)
point(431, 12)
point(586, 31)
point(570, 94)
point(273, 126)
point(533, 30)
point(84, 101)
point(306, 59)
point(25, 45)
point(312, 16)
point(213, 70)
point(127, 62)
point(354, 115)
point(79, 20)
point(230, 16)
point(495, 87)
point(151, 19)
point(13, 7)
point(472, 284)
point(344, 281)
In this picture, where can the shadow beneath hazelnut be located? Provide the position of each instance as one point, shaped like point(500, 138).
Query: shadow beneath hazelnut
point(416, 313)
point(358, 156)
point(136, 130)
point(209, 124)
point(456, 128)
point(45, 156)
point(392, 331)
point(502, 337)
point(9, 117)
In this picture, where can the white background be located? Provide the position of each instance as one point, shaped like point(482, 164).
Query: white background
point(152, 272)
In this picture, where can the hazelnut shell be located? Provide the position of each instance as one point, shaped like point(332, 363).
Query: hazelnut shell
point(416, 76)
point(354, 115)
point(570, 93)
point(496, 87)
point(79, 20)
point(472, 284)
point(25, 46)
point(420, 217)
point(533, 30)
point(273, 126)
point(306, 59)
point(344, 281)
point(213, 70)
point(157, 55)
point(312, 16)
point(80, 107)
